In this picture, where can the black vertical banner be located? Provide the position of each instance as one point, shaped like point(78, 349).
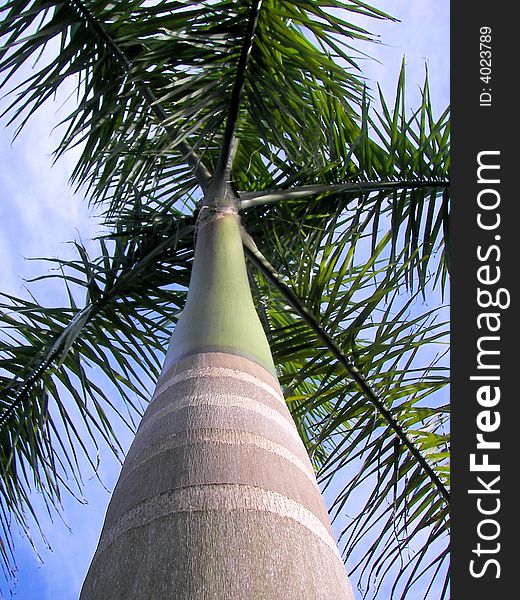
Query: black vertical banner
point(485, 243)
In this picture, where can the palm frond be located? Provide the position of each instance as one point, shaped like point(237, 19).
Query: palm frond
point(400, 184)
point(355, 356)
point(52, 405)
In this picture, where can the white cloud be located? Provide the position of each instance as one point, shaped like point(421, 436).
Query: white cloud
point(422, 37)
point(38, 210)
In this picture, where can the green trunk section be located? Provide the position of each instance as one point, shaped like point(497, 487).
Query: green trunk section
point(217, 498)
point(219, 315)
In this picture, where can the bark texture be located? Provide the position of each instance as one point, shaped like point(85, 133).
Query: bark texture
point(217, 498)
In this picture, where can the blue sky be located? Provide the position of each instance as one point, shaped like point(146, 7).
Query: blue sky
point(38, 213)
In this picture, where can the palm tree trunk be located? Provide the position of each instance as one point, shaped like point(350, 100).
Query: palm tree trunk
point(217, 498)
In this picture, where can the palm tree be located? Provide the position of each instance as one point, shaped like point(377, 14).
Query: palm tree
point(210, 129)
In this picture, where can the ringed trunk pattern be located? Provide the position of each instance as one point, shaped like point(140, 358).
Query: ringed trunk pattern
point(217, 498)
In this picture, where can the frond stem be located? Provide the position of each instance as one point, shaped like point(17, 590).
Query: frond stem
point(265, 267)
point(251, 199)
point(85, 315)
point(228, 149)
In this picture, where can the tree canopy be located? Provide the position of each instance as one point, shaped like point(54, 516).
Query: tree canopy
point(344, 197)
